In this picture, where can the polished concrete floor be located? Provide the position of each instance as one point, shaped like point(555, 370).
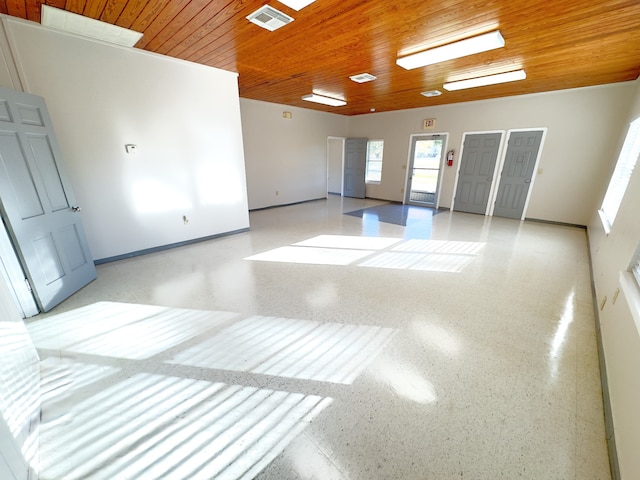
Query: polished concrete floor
point(320, 345)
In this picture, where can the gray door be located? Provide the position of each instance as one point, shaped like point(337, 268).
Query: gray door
point(37, 203)
point(517, 172)
point(355, 166)
point(477, 165)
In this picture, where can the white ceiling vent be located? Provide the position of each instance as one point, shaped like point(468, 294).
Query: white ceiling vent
point(362, 78)
point(269, 18)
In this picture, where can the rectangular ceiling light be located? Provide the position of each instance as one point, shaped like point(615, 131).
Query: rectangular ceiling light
point(488, 80)
point(333, 102)
point(469, 46)
point(88, 27)
point(297, 4)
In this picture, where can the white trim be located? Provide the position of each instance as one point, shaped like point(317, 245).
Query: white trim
point(632, 294)
point(409, 164)
point(503, 158)
point(495, 171)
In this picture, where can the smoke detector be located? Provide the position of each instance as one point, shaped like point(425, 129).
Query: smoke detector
point(269, 18)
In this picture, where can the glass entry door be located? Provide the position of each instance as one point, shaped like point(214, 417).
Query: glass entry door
point(425, 164)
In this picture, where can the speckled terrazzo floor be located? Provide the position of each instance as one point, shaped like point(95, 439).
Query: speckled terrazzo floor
point(325, 346)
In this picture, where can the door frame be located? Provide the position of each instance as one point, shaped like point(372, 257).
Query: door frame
point(503, 158)
point(409, 166)
point(493, 189)
point(331, 138)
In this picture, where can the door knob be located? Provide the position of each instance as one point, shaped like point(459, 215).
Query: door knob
point(75, 209)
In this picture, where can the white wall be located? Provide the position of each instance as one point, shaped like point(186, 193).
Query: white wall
point(183, 117)
point(286, 159)
point(19, 393)
point(571, 160)
point(620, 335)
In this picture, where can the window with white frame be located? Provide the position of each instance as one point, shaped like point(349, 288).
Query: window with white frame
point(374, 161)
point(621, 176)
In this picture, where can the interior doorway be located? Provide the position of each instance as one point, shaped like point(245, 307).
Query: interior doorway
point(335, 165)
point(424, 170)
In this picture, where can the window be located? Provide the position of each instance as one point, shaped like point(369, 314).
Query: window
point(621, 175)
point(374, 161)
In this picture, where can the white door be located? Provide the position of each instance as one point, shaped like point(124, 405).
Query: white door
point(37, 202)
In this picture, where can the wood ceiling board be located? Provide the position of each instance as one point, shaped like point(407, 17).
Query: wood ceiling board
point(17, 8)
point(562, 44)
point(146, 17)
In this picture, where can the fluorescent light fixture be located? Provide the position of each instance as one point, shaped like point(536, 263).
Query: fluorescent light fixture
point(488, 80)
point(297, 4)
point(88, 27)
point(469, 46)
point(333, 102)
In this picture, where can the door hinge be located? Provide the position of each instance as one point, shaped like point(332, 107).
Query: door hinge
point(26, 281)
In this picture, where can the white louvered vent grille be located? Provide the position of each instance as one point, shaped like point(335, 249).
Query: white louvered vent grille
point(362, 78)
point(269, 18)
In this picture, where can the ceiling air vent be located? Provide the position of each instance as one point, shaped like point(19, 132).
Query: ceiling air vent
point(432, 93)
point(269, 18)
point(362, 78)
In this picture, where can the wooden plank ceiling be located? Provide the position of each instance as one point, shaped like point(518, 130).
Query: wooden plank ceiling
point(560, 44)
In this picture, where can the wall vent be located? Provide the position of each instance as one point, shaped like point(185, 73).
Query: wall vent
point(269, 18)
point(362, 78)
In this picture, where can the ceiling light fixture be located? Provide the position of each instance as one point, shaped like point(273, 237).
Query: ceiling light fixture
point(88, 27)
point(333, 102)
point(469, 46)
point(484, 81)
point(431, 93)
point(297, 4)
